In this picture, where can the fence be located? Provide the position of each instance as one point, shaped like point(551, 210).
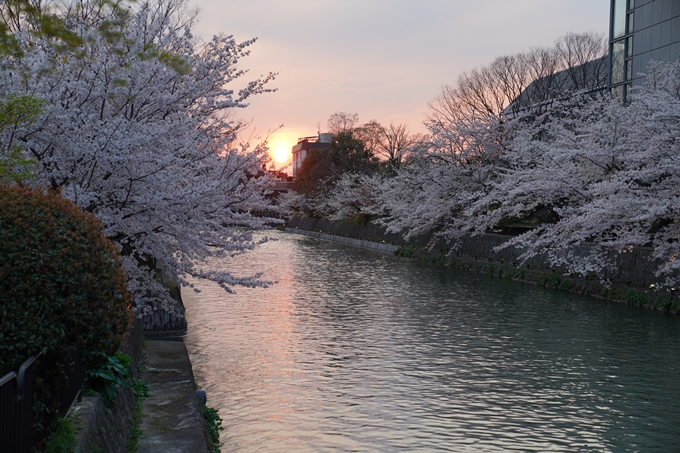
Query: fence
point(20, 427)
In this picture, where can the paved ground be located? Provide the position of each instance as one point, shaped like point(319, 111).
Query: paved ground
point(172, 420)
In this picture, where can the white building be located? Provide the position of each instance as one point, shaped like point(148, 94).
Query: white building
point(305, 144)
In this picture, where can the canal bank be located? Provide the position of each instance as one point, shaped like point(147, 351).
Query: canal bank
point(159, 410)
point(169, 419)
point(632, 280)
point(172, 421)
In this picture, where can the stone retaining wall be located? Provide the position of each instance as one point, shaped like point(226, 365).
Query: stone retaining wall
point(636, 267)
point(367, 232)
point(161, 323)
point(102, 429)
point(383, 247)
point(105, 429)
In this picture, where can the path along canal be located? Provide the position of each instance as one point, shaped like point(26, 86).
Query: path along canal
point(358, 350)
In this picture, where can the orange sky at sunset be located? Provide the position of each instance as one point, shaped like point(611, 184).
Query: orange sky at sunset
point(381, 59)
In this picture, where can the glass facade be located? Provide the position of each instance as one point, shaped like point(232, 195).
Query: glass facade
point(621, 47)
point(618, 49)
point(619, 21)
point(640, 31)
point(629, 47)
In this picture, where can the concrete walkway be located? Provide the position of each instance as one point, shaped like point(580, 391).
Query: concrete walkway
point(172, 421)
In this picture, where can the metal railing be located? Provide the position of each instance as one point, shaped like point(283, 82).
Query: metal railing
point(19, 432)
point(16, 408)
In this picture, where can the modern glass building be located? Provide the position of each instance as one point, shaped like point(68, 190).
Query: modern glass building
point(640, 31)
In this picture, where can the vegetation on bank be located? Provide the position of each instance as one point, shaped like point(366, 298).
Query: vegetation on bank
point(108, 379)
point(141, 390)
point(64, 293)
point(213, 423)
point(526, 148)
point(63, 437)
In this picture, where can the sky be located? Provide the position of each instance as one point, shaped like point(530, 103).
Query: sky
point(381, 59)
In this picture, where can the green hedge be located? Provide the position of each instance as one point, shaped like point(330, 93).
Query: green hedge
point(61, 283)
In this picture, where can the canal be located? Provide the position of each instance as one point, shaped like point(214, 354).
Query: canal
point(360, 351)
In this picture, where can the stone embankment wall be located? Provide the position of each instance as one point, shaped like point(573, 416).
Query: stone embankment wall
point(108, 429)
point(101, 428)
point(382, 246)
point(161, 323)
point(631, 274)
point(367, 232)
point(636, 267)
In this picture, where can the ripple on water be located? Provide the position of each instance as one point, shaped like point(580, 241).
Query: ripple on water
point(355, 350)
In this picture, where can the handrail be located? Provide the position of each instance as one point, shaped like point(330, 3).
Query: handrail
point(22, 374)
point(8, 377)
point(17, 392)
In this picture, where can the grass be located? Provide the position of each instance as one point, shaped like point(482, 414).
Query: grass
point(140, 389)
point(135, 432)
point(63, 438)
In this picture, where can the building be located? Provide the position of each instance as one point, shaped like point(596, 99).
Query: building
point(640, 31)
point(590, 77)
point(305, 144)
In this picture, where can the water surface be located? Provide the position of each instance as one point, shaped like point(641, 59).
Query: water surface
point(360, 351)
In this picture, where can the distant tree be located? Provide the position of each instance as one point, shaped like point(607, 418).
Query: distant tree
point(342, 122)
point(322, 167)
point(351, 155)
point(396, 144)
point(317, 167)
point(577, 49)
point(513, 83)
point(391, 143)
point(370, 134)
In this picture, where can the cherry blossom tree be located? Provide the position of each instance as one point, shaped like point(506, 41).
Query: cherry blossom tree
point(350, 195)
point(450, 169)
point(137, 129)
point(604, 177)
point(608, 171)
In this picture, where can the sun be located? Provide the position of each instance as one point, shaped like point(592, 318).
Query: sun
point(281, 154)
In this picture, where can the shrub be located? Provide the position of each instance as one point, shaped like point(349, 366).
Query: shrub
point(111, 374)
point(61, 283)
